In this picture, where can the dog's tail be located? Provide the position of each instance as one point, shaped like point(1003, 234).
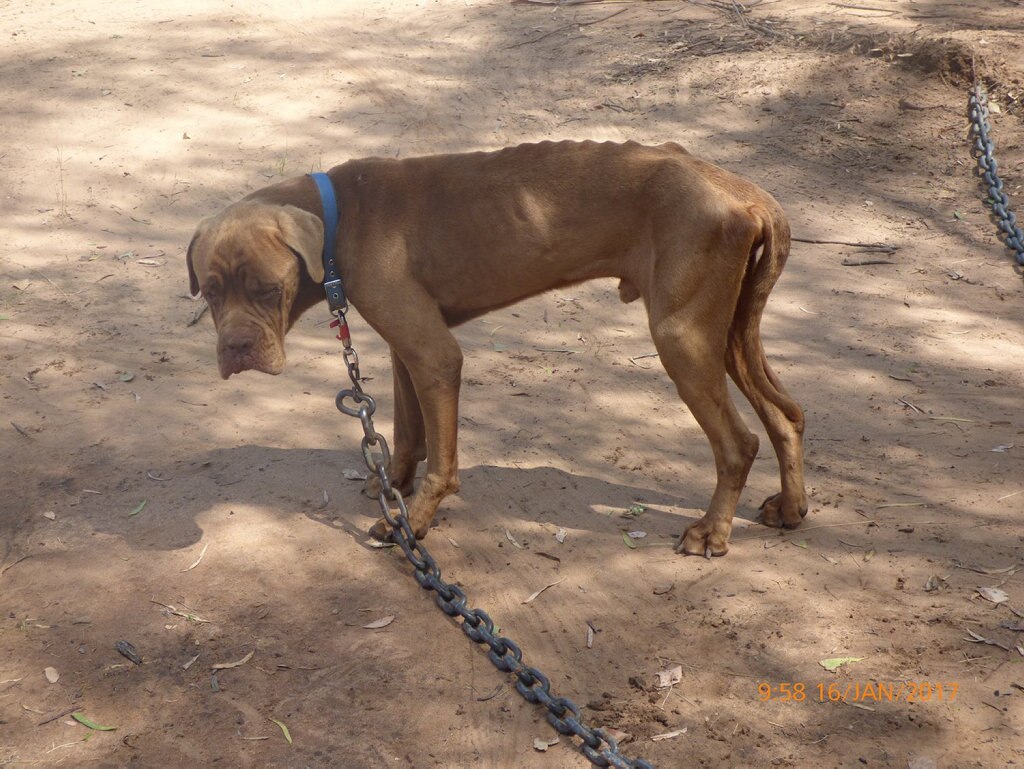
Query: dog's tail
point(745, 360)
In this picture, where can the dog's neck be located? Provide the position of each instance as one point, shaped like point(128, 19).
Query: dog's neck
point(301, 192)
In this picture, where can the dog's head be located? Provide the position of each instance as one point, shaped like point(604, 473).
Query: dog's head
point(250, 262)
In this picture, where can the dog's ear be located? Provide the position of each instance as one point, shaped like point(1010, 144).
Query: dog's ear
point(193, 280)
point(303, 233)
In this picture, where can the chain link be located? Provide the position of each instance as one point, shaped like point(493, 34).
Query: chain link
point(982, 151)
point(600, 747)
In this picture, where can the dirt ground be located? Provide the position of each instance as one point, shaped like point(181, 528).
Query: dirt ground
point(145, 500)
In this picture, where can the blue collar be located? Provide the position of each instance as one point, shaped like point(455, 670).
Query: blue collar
point(332, 279)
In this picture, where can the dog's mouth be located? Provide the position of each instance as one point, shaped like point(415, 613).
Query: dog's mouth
point(248, 352)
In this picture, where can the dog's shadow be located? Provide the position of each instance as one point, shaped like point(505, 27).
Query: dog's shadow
point(312, 482)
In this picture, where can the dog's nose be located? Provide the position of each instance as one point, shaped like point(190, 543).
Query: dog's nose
point(240, 347)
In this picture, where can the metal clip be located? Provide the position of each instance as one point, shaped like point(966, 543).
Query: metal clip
point(343, 332)
point(335, 295)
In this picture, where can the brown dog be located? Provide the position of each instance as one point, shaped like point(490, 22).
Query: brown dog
point(427, 243)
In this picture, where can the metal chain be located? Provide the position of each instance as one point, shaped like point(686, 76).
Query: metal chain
point(977, 111)
point(600, 747)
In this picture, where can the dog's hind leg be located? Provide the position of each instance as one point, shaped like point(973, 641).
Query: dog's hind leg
point(747, 365)
point(784, 422)
point(691, 343)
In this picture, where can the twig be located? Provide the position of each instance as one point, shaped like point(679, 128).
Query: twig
point(198, 314)
point(635, 358)
point(59, 715)
point(740, 675)
point(889, 247)
point(888, 11)
point(59, 289)
point(20, 429)
point(193, 617)
point(909, 405)
point(492, 695)
point(865, 262)
point(563, 29)
point(810, 528)
point(11, 566)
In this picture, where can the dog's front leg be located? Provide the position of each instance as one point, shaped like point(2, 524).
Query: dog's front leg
point(428, 371)
point(410, 445)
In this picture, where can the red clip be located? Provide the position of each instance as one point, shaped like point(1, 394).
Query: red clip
point(343, 332)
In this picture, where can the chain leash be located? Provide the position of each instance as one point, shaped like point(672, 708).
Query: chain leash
point(600, 747)
point(982, 151)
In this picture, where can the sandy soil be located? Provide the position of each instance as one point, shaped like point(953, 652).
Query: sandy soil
point(134, 480)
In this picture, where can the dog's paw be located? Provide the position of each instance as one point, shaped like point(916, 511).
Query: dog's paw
point(706, 538)
point(383, 532)
point(779, 514)
point(372, 487)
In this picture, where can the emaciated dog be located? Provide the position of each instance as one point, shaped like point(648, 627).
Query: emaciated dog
point(427, 243)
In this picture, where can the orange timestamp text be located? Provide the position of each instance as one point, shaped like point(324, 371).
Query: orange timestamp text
point(857, 691)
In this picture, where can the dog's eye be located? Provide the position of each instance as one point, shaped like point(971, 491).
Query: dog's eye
point(270, 293)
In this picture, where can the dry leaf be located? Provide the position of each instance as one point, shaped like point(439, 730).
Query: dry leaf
point(833, 664)
point(542, 744)
point(50, 515)
point(933, 583)
point(200, 558)
point(284, 730)
point(662, 589)
point(528, 600)
point(669, 677)
point(228, 665)
point(353, 475)
point(128, 651)
point(560, 535)
point(379, 623)
point(618, 735)
point(638, 534)
point(993, 594)
point(1008, 570)
point(668, 735)
point(980, 639)
point(510, 538)
point(869, 555)
point(590, 637)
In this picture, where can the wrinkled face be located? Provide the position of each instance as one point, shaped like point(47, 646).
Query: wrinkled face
point(247, 264)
